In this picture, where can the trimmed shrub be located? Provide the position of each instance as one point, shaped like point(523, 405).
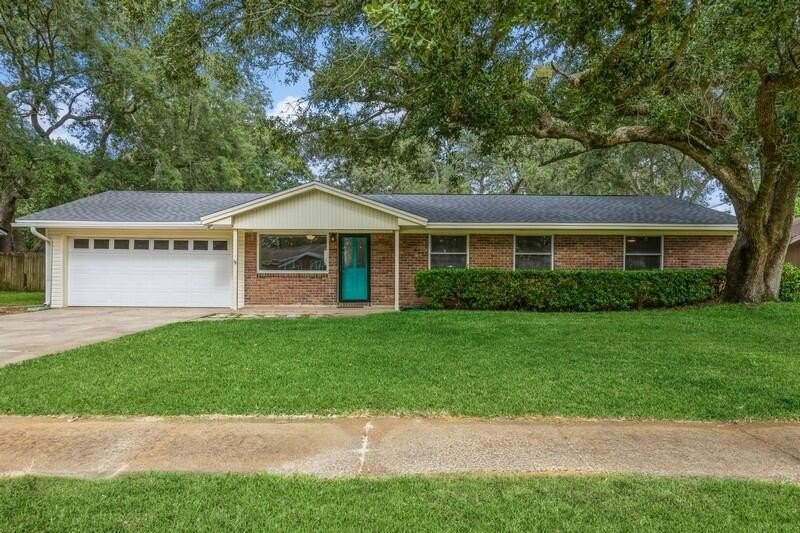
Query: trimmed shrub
point(567, 290)
point(790, 283)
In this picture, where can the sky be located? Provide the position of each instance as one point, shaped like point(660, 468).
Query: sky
point(284, 96)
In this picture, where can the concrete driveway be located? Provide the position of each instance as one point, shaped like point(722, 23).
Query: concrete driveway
point(28, 335)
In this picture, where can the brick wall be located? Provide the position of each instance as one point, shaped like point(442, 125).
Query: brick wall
point(382, 269)
point(696, 251)
point(602, 252)
point(491, 251)
point(413, 258)
point(289, 288)
point(318, 289)
point(486, 251)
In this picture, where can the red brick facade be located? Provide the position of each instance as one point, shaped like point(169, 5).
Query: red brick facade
point(491, 251)
point(696, 252)
point(413, 258)
point(290, 288)
point(600, 252)
point(485, 251)
point(382, 269)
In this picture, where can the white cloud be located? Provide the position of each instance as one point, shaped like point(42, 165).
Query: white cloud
point(287, 109)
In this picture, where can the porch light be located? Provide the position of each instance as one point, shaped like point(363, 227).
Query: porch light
point(310, 237)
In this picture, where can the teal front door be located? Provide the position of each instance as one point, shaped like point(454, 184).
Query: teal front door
point(354, 268)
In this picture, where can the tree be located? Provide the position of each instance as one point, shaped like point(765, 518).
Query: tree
point(93, 100)
point(717, 81)
point(514, 165)
point(55, 65)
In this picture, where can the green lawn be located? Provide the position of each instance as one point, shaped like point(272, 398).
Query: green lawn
point(247, 503)
point(724, 362)
point(19, 298)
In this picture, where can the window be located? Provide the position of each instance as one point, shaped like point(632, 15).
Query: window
point(643, 253)
point(289, 253)
point(180, 245)
point(199, 245)
point(533, 252)
point(122, 244)
point(101, 244)
point(141, 244)
point(160, 244)
point(221, 246)
point(448, 251)
point(80, 243)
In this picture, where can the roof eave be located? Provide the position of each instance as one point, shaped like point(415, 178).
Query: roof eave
point(599, 226)
point(105, 224)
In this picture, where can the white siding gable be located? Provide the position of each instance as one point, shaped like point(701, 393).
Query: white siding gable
point(316, 210)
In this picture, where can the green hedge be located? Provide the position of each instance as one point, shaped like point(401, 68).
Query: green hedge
point(579, 290)
point(563, 290)
point(790, 283)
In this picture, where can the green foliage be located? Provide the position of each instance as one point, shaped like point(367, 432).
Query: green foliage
point(790, 283)
point(578, 290)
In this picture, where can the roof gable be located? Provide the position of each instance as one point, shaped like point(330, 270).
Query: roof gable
point(322, 197)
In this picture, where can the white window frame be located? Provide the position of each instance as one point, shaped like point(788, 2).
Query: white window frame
point(552, 250)
point(293, 272)
point(430, 248)
point(625, 251)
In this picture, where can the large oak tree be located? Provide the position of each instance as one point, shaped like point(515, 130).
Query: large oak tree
point(715, 80)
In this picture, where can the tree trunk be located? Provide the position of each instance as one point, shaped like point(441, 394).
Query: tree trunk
point(756, 260)
point(8, 208)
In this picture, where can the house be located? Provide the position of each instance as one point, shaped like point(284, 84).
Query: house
point(793, 251)
point(318, 245)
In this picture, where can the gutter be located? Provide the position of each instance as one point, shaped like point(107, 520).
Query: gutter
point(48, 264)
point(106, 225)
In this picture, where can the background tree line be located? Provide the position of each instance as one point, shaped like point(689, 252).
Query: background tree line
point(689, 98)
point(108, 95)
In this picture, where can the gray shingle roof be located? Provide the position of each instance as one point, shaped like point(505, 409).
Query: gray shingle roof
point(186, 207)
point(136, 206)
point(528, 209)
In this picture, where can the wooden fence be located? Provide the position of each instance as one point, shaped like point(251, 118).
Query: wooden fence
point(22, 271)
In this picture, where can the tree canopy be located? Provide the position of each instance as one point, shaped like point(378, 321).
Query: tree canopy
point(682, 97)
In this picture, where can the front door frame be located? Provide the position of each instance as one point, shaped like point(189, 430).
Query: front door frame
point(342, 236)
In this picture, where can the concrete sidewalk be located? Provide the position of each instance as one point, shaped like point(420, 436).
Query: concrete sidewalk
point(102, 447)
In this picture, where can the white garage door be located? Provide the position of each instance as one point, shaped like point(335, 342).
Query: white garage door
point(149, 272)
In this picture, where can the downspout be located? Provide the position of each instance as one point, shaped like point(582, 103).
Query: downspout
point(48, 264)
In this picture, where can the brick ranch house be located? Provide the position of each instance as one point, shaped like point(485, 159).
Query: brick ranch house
point(317, 245)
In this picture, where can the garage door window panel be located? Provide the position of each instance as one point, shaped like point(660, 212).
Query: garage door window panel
point(122, 244)
point(101, 244)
